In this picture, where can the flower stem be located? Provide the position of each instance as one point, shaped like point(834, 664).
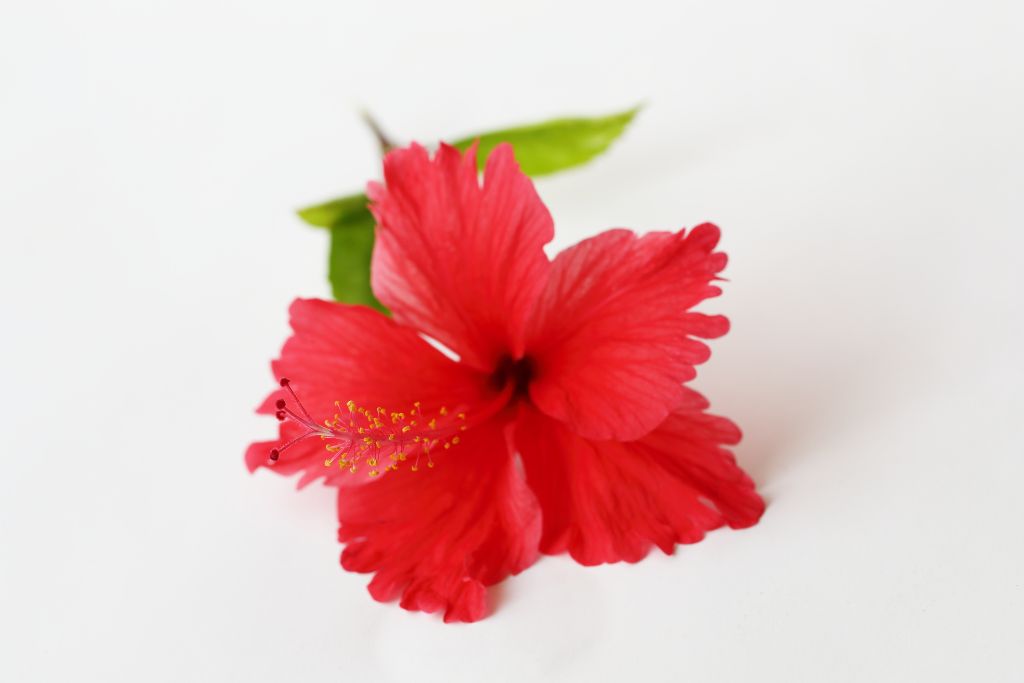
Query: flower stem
point(386, 145)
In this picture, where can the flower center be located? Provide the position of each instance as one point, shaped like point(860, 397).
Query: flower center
point(514, 373)
point(380, 440)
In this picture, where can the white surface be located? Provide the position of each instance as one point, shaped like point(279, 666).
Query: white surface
point(863, 159)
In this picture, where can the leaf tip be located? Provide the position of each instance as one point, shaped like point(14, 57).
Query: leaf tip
point(309, 215)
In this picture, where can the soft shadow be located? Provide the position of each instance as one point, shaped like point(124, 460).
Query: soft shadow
point(788, 394)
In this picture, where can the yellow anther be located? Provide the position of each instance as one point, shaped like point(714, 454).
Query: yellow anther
point(365, 440)
point(415, 468)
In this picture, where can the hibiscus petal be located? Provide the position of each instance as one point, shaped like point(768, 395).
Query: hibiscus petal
point(606, 501)
point(461, 262)
point(306, 456)
point(611, 339)
point(436, 538)
point(340, 352)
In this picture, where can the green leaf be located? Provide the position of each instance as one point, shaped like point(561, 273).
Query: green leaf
point(349, 268)
point(336, 211)
point(555, 145)
point(351, 225)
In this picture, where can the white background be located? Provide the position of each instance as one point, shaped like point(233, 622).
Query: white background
point(864, 160)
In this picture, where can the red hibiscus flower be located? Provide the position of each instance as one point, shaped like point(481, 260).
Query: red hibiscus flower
point(564, 424)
